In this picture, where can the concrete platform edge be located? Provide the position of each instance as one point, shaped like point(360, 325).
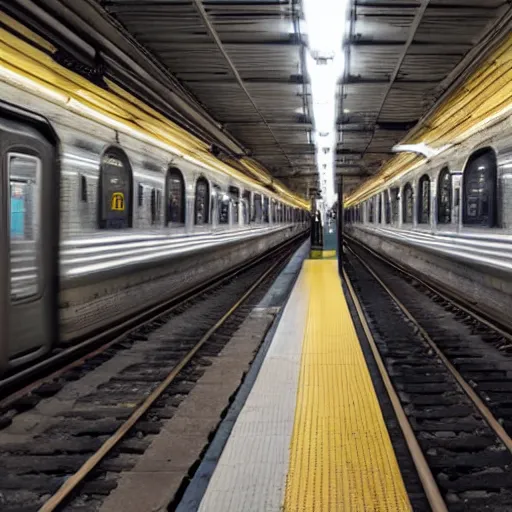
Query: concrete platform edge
point(278, 293)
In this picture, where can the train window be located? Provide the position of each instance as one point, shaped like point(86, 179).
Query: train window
point(394, 193)
point(246, 206)
point(223, 207)
point(407, 204)
point(140, 195)
point(424, 200)
point(202, 202)
point(479, 190)
point(175, 193)
point(274, 211)
point(258, 210)
point(444, 197)
point(265, 209)
point(116, 185)
point(24, 182)
point(83, 189)
point(379, 208)
point(156, 204)
point(234, 193)
point(370, 209)
point(387, 207)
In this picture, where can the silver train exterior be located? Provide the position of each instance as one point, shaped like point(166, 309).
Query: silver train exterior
point(450, 219)
point(66, 269)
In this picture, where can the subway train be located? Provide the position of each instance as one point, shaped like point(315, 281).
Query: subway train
point(449, 219)
point(96, 224)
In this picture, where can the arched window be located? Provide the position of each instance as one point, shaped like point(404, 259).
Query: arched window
point(202, 202)
point(222, 206)
point(234, 193)
point(83, 189)
point(265, 209)
point(258, 209)
point(175, 194)
point(153, 208)
point(407, 204)
point(387, 206)
point(115, 190)
point(479, 189)
point(274, 211)
point(424, 200)
point(246, 206)
point(444, 196)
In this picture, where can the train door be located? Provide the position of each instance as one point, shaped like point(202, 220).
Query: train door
point(28, 240)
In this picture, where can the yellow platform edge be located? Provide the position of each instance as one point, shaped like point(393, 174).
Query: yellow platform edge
point(318, 254)
point(341, 456)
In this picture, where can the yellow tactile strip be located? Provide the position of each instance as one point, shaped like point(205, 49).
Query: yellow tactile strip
point(341, 456)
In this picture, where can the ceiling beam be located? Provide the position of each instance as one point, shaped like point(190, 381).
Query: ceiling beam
point(412, 32)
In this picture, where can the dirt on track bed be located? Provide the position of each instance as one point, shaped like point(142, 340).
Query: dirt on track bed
point(472, 467)
point(49, 434)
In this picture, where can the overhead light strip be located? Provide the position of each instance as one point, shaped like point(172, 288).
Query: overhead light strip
point(325, 28)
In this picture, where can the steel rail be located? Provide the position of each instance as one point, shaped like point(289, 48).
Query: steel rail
point(486, 413)
point(445, 294)
point(65, 491)
point(428, 481)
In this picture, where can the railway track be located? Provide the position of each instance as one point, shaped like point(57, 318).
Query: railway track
point(140, 380)
point(448, 380)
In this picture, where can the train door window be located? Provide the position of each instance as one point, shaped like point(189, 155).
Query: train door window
point(223, 207)
point(424, 200)
point(444, 197)
point(246, 206)
point(258, 210)
point(266, 218)
point(379, 208)
point(116, 185)
point(370, 209)
point(202, 202)
point(407, 204)
point(234, 193)
point(479, 190)
point(175, 194)
point(24, 207)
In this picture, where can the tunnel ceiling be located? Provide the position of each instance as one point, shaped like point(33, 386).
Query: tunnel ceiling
point(243, 60)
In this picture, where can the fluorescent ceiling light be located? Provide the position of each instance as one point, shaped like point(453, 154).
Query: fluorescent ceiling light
point(422, 149)
point(325, 27)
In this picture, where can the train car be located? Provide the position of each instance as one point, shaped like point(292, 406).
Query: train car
point(97, 224)
point(450, 219)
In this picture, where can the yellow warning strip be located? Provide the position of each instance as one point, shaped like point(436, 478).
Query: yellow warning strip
point(341, 456)
point(316, 254)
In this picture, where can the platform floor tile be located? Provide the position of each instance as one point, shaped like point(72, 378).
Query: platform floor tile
point(341, 456)
point(251, 472)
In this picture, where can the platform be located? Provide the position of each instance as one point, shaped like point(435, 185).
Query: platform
point(311, 435)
